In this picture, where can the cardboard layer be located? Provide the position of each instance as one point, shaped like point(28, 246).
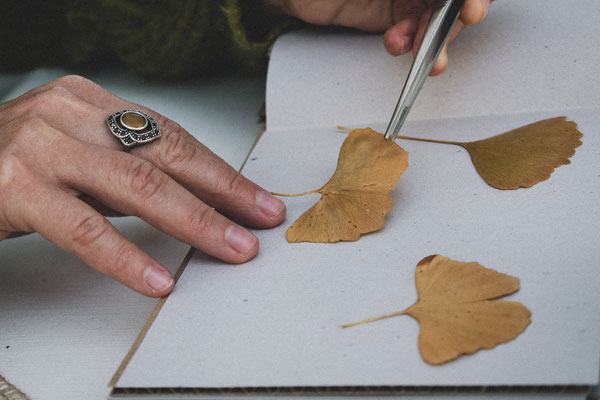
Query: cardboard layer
point(526, 56)
point(274, 321)
point(374, 393)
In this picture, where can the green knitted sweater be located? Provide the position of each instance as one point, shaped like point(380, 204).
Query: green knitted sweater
point(168, 39)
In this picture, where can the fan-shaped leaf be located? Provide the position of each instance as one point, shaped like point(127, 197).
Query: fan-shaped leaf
point(527, 155)
point(356, 198)
point(456, 311)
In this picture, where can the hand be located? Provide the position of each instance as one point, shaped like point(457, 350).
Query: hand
point(403, 21)
point(61, 171)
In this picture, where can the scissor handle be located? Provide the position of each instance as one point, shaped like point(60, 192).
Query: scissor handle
point(437, 31)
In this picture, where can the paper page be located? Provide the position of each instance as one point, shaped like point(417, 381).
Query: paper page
point(526, 56)
point(275, 320)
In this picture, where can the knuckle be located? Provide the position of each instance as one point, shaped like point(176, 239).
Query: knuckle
point(122, 259)
point(50, 101)
point(26, 137)
point(169, 124)
point(32, 124)
point(32, 130)
point(236, 184)
point(16, 184)
point(71, 81)
point(176, 150)
point(13, 175)
point(143, 178)
point(55, 92)
point(88, 230)
point(204, 219)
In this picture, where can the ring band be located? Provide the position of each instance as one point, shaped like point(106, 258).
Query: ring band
point(133, 127)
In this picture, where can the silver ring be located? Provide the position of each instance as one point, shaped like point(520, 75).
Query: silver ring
point(133, 127)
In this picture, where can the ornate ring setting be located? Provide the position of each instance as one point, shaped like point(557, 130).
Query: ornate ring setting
point(133, 127)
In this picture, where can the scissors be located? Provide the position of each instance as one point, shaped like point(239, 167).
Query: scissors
point(443, 17)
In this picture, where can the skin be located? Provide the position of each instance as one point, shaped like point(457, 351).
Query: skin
point(61, 176)
point(48, 161)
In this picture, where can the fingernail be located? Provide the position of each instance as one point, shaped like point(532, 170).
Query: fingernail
point(269, 204)
point(240, 239)
point(157, 278)
point(405, 44)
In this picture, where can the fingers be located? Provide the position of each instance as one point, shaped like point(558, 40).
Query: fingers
point(474, 11)
point(177, 152)
point(441, 63)
point(214, 181)
point(134, 186)
point(31, 200)
point(398, 39)
point(98, 206)
point(34, 155)
point(75, 227)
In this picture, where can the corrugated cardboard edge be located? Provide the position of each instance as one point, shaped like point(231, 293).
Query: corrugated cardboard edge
point(355, 391)
point(9, 392)
point(162, 301)
point(148, 323)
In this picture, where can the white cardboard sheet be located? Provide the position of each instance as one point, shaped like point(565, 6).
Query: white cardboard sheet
point(526, 56)
point(274, 321)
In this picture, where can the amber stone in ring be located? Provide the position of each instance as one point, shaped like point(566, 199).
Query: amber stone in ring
point(133, 120)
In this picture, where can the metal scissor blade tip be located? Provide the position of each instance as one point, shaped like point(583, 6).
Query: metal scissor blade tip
point(436, 34)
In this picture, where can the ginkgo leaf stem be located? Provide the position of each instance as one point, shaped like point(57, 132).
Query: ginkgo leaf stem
point(430, 140)
point(343, 128)
point(372, 319)
point(294, 195)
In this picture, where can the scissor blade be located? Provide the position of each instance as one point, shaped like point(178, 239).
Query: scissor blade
point(436, 34)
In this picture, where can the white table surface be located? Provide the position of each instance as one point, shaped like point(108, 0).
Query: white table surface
point(64, 328)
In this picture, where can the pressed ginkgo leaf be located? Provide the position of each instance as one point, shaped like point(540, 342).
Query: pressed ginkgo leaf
point(521, 157)
point(356, 198)
point(527, 155)
point(456, 309)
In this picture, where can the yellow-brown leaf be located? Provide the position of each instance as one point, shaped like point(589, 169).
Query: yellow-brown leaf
point(456, 309)
point(525, 156)
point(356, 198)
point(456, 312)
